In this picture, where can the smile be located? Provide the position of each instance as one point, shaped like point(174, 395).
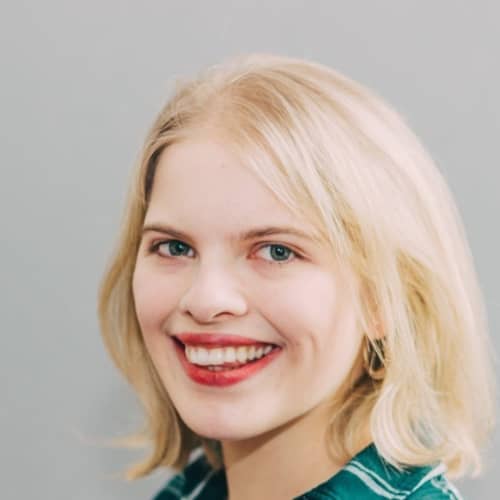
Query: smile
point(223, 366)
point(229, 357)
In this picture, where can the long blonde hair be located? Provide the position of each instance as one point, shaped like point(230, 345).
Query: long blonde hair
point(335, 153)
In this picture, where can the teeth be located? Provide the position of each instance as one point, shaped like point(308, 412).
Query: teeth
point(241, 354)
point(220, 355)
point(216, 356)
point(229, 354)
point(251, 353)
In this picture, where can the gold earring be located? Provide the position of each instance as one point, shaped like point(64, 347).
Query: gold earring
point(373, 363)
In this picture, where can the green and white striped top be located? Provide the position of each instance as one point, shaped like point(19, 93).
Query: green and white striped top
point(365, 476)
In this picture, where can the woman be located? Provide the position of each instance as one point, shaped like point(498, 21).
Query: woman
point(293, 292)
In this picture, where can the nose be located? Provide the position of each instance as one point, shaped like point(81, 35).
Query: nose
point(213, 294)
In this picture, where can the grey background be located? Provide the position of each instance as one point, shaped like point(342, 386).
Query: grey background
point(80, 84)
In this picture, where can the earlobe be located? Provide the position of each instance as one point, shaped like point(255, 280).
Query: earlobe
point(374, 357)
point(374, 351)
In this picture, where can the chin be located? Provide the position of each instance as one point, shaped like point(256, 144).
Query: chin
point(223, 429)
point(221, 432)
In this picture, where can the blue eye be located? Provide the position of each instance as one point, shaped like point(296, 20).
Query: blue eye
point(175, 248)
point(279, 253)
point(276, 253)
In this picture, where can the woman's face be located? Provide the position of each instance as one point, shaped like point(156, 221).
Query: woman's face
point(220, 255)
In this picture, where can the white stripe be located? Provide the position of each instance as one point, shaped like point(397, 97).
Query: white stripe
point(200, 486)
point(195, 454)
point(454, 490)
point(448, 487)
point(432, 473)
point(175, 491)
point(378, 478)
point(372, 484)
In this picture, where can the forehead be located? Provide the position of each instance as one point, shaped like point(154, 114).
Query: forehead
point(202, 182)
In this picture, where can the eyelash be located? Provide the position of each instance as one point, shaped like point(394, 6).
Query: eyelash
point(155, 246)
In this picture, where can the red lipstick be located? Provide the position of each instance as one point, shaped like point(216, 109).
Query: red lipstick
point(217, 340)
point(202, 375)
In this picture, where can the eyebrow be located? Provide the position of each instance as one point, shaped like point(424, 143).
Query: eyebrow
point(250, 234)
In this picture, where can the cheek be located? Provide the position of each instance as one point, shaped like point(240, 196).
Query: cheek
point(301, 306)
point(154, 299)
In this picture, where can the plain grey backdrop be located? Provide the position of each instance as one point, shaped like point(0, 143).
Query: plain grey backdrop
point(80, 85)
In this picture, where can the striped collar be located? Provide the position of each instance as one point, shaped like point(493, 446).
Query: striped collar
point(367, 475)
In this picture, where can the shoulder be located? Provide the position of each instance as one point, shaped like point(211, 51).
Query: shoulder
point(369, 476)
point(197, 480)
point(412, 483)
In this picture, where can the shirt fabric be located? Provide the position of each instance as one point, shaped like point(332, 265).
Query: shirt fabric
point(366, 476)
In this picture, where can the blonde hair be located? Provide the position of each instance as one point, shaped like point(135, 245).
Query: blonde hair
point(335, 153)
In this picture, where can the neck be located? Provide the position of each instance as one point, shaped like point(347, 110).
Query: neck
point(283, 463)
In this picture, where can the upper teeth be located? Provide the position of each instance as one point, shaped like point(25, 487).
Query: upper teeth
point(221, 355)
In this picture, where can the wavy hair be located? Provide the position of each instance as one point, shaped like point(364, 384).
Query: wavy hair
point(335, 153)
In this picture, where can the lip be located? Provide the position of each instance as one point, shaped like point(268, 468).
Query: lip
point(217, 340)
point(204, 376)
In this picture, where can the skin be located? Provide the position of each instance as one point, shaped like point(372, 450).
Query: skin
point(272, 424)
